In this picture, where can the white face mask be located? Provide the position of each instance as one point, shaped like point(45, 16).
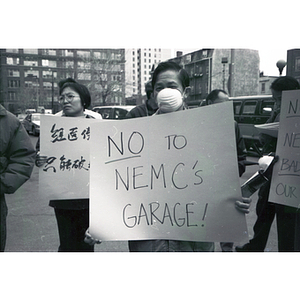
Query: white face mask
point(169, 100)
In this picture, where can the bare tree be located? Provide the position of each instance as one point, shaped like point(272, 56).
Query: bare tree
point(105, 75)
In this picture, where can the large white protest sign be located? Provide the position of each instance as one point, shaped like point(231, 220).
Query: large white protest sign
point(65, 142)
point(171, 176)
point(285, 184)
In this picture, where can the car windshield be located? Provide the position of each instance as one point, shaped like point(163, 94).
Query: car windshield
point(35, 117)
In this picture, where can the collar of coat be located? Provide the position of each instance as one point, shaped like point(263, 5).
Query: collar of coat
point(2, 111)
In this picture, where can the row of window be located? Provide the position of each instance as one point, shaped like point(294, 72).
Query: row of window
point(70, 53)
point(31, 73)
point(67, 64)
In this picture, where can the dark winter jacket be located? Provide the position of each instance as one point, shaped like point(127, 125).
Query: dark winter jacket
point(17, 154)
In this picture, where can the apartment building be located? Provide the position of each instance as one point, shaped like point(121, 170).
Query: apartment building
point(234, 70)
point(29, 77)
point(139, 63)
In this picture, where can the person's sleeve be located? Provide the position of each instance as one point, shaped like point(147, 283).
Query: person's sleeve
point(241, 150)
point(20, 161)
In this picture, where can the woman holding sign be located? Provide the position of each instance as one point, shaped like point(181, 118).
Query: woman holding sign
point(170, 87)
point(72, 215)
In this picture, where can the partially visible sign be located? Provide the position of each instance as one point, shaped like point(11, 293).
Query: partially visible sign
point(285, 185)
point(171, 176)
point(65, 142)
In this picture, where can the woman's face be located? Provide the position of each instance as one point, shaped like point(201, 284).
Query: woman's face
point(71, 101)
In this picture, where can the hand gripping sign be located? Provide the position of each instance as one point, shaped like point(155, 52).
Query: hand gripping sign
point(171, 176)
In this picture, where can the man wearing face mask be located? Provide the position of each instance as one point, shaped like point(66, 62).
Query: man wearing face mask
point(170, 85)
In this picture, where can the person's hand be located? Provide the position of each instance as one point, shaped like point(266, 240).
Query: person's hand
point(90, 240)
point(243, 205)
point(40, 160)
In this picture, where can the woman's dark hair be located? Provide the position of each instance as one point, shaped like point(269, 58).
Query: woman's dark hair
point(285, 83)
point(167, 66)
point(81, 89)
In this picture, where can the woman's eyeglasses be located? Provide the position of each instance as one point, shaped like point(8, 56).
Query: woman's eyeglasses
point(68, 97)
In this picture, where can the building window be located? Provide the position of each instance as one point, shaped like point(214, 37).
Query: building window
point(47, 85)
point(12, 96)
point(30, 51)
point(84, 76)
point(12, 60)
point(48, 74)
point(84, 65)
point(32, 63)
point(69, 64)
point(84, 54)
point(31, 73)
point(13, 73)
point(48, 52)
point(13, 83)
point(12, 50)
point(69, 53)
point(263, 87)
point(297, 64)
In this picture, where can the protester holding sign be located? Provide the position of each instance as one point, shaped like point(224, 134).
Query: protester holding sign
point(72, 215)
point(265, 209)
point(170, 87)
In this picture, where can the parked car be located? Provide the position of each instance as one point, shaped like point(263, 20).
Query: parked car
point(32, 123)
point(250, 111)
point(113, 112)
point(30, 111)
point(91, 113)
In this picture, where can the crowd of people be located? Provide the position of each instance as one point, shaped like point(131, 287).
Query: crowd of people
point(167, 92)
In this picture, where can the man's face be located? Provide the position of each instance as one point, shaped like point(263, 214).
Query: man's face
point(277, 97)
point(168, 79)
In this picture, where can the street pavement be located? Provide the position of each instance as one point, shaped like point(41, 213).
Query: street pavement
point(31, 223)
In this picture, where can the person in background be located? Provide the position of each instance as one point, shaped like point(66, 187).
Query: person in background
point(171, 88)
point(146, 109)
point(220, 96)
point(72, 215)
point(17, 156)
point(265, 210)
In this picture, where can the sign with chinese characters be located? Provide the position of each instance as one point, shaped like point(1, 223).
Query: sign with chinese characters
point(171, 176)
point(285, 184)
point(65, 142)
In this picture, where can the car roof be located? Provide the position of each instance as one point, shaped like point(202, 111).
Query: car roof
point(127, 107)
point(251, 97)
point(93, 114)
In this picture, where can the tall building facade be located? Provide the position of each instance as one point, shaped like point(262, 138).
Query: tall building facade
point(29, 77)
point(139, 63)
point(234, 70)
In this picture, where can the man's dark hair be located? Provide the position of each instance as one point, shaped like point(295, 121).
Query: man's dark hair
point(171, 66)
point(213, 95)
point(81, 89)
point(148, 89)
point(285, 83)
